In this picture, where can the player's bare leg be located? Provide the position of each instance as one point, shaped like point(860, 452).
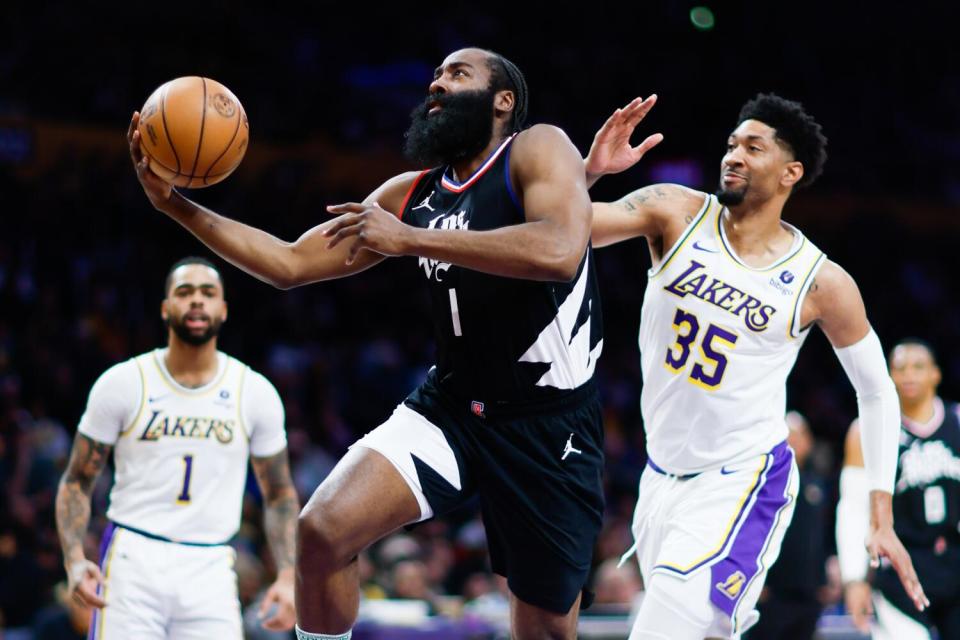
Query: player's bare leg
point(363, 499)
point(533, 623)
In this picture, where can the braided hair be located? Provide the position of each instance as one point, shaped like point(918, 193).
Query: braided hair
point(506, 76)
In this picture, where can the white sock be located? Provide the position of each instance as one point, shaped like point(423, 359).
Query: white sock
point(306, 635)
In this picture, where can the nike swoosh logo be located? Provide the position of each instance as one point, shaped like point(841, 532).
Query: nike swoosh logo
point(699, 247)
point(723, 471)
point(157, 398)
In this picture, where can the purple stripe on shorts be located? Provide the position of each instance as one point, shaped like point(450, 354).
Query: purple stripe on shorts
point(731, 576)
point(105, 540)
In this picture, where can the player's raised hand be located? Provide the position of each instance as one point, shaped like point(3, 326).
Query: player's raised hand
point(370, 227)
point(83, 578)
point(883, 542)
point(279, 598)
point(611, 151)
point(157, 190)
point(858, 598)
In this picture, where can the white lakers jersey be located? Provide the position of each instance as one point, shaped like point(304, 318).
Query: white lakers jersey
point(181, 454)
point(717, 340)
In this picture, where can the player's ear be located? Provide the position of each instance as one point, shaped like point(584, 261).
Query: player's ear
point(223, 317)
point(504, 101)
point(164, 315)
point(792, 173)
point(936, 376)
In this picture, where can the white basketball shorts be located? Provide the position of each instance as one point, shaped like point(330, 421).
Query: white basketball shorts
point(728, 522)
point(160, 590)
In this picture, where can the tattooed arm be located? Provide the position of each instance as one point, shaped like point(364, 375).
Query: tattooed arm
point(73, 516)
point(655, 212)
point(280, 506)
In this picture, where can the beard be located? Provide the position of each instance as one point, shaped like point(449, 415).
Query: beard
point(730, 197)
point(189, 336)
point(460, 130)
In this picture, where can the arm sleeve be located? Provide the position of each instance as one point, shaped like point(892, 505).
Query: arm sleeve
point(113, 403)
point(263, 415)
point(853, 518)
point(878, 407)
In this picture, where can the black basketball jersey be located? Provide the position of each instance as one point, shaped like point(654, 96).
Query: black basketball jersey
point(501, 339)
point(926, 499)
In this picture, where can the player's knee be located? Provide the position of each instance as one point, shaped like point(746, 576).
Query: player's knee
point(319, 539)
point(674, 608)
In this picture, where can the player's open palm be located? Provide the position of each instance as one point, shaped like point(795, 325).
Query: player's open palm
point(277, 611)
point(83, 579)
point(157, 190)
point(884, 543)
point(611, 151)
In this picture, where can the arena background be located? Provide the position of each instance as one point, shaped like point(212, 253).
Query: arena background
point(328, 90)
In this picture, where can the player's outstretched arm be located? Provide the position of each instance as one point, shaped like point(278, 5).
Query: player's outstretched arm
point(547, 246)
point(264, 256)
point(838, 308)
point(853, 517)
point(87, 460)
point(280, 509)
point(654, 212)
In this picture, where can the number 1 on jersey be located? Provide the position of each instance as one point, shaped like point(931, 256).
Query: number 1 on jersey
point(184, 496)
point(455, 313)
point(709, 373)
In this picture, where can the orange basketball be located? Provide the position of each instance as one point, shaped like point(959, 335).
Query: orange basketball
point(194, 131)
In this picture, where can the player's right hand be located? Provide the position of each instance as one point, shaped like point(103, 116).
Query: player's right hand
point(157, 189)
point(883, 542)
point(83, 579)
point(858, 598)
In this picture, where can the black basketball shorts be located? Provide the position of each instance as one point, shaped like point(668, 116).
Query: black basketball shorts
point(536, 467)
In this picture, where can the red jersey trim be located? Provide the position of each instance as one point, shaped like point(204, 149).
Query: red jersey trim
point(413, 187)
point(450, 185)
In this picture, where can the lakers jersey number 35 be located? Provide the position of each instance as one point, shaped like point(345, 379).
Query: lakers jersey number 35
point(718, 339)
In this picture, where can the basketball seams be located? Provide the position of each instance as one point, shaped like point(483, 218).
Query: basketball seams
point(166, 130)
point(226, 148)
point(203, 119)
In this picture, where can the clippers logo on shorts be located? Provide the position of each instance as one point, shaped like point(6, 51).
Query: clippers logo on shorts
point(732, 586)
point(476, 408)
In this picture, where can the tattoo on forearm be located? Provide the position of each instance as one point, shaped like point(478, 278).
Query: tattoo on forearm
point(87, 460)
point(635, 200)
point(280, 506)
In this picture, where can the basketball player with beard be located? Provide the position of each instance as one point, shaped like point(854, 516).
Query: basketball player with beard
point(730, 299)
point(926, 503)
point(182, 423)
point(500, 227)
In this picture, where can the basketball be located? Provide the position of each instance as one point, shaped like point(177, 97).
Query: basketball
point(194, 131)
